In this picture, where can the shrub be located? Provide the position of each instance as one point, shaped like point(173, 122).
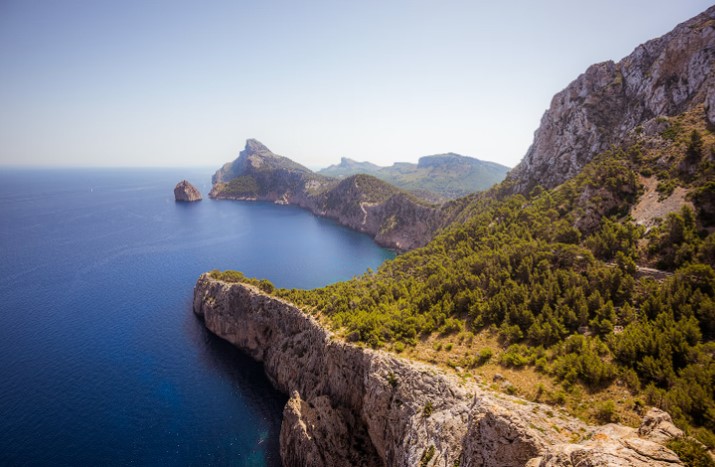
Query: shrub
point(606, 412)
point(691, 452)
point(427, 409)
point(427, 456)
point(484, 355)
point(266, 286)
point(516, 355)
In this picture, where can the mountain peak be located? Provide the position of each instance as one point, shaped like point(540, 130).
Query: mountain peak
point(253, 145)
point(661, 78)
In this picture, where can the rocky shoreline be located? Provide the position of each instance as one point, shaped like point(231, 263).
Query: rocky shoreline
point(351, 405)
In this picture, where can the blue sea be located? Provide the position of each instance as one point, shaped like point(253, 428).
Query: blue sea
point(102, 361)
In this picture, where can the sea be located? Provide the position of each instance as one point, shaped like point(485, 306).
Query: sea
point(102, 361)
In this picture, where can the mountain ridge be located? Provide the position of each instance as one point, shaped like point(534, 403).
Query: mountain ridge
point(447, 175)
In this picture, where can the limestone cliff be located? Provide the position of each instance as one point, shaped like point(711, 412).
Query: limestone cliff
point(393, 217)
point(663, 77)
point(186, 192)
point(355, 406)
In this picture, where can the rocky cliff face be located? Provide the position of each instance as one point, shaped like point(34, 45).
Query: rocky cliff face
point(186, 192)
point(394, 218)
point(663, 77)
point(355, 406)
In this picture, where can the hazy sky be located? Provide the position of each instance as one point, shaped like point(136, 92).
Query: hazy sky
point(178, 83)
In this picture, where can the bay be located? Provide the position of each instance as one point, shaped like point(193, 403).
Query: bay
point(102, 361)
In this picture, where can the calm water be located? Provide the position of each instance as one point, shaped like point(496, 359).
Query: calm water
point(101, 358)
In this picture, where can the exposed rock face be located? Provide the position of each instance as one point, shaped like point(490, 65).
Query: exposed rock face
point(355, 406)
point(663, 77)
point(186, 192)
point(316, 433)
point(362, 202)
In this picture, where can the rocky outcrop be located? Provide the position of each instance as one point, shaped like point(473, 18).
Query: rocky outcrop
point(186, 192)
point(362, 202)
point(663, 77)
point(355, 406)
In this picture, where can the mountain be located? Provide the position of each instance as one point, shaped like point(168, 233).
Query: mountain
point(436, 178)
point(581, 289)
point(349, 167)
point(662, 78)
point(395, 218)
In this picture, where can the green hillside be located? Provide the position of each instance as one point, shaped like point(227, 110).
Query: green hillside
point(529, 285)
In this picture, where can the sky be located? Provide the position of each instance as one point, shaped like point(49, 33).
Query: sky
point(185, 83)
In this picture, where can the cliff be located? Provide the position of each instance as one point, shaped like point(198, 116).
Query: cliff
point(666, 76)
point(392, 216)
point(355, 406)
point(186, 192)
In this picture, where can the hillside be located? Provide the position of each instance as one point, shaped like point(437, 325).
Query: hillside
point(447, 176)
point(548, 278)
point(585, 280)
point(395, 218)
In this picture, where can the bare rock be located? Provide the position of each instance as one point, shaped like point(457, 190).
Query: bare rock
point(316, 433)
point(658, 426)
point(610, 445)
point(664, 76)
point(186, 192)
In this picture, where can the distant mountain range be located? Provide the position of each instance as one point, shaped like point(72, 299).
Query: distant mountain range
point(435, 178)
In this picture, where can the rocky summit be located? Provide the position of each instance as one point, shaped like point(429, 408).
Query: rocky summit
point(663, 77)
point(186, 192)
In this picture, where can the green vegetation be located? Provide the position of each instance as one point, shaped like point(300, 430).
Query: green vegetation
point(552, 275)
point(427, 456)
point(692, 453)
point(551, 282)
point(236, 276)
point(243, 185)
point(427, 410)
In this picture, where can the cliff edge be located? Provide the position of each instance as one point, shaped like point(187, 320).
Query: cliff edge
point(351, 405)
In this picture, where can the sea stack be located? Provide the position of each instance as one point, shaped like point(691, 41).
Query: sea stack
point(186, 192)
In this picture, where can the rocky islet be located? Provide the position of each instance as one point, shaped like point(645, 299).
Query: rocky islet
point(185, 192)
